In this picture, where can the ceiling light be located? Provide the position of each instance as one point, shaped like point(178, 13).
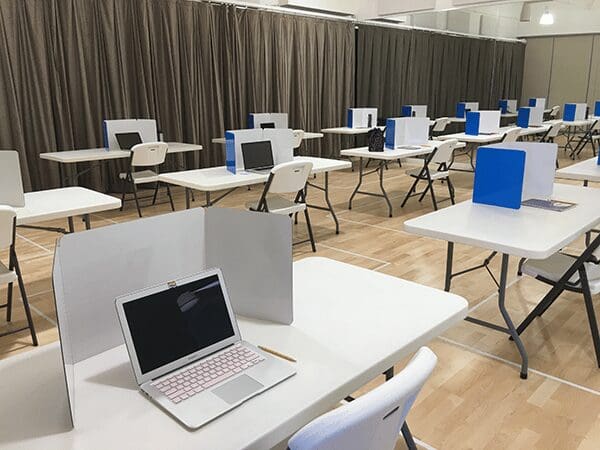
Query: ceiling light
point(547, 18)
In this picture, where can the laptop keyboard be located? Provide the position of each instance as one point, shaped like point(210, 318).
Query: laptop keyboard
point(207, 373)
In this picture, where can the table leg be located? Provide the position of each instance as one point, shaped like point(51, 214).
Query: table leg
point(328, 201)
point(61, 175)
point(449, 257)
point(360, 180)
point(187, 198)
point(381, 170)
point(208, 202)
point(86, 219)
point(71, 226)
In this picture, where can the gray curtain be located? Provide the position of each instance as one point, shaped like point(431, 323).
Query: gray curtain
point(398, 67)
point(197, 68)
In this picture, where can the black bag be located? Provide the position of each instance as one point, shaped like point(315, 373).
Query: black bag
point(376, 139)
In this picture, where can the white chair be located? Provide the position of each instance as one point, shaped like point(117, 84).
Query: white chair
point(146, 155)
point(11, 183)
point(286, 178)
point(439, 125)
point(554, 112)
point(512, 135)
point(584, 279)
point(591, 136)
point(372, 421)
point(440, 158)
point(12, 273)
point(298, 136)
point(551, 134)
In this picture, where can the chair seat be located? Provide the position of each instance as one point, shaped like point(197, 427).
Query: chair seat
point(435, 175)
point(555, 266)
point(6, 276)
point(279, 205)
point(143, 176)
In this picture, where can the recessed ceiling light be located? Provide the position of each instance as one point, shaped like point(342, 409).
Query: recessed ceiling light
point(547, 18)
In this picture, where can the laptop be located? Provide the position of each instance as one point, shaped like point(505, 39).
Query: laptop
point(257, 156)
point(267, 125)
point(128, 140)
point(187, 352)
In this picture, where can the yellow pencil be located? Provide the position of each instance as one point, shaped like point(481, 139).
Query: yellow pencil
point(276, 353)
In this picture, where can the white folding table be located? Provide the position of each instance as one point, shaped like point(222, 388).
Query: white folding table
point(307, 135)
point(63, 203)
point(92, 155)
point(215, 179)
point(383, 158)
point(525, 233)
point(341, 342)
point(585, 171)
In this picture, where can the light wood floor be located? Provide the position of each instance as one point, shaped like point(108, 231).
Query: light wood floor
point(475, 399)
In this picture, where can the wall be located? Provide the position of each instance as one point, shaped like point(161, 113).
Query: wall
point(568, 19)
point(563, 69)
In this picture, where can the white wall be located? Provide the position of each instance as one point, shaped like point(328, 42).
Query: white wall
point(568, 19)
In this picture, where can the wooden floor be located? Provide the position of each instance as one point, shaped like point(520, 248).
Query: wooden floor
point(475, 399)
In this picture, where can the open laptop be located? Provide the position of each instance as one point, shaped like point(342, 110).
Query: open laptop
point(128, 140)
point(186, 350)
point(267, 125)
point(257, 156)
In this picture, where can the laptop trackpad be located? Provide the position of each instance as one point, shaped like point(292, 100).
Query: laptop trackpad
point(237, 389)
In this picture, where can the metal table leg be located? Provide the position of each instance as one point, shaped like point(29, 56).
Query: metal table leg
point(86, 219)
point(187, 198)
point(329, 207)
point(361, 174)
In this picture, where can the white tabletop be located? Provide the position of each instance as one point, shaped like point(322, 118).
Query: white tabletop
point(100, 154)
point(526, 232)
point(392, 155)
point(489, 138)
point(307, 135)
point(340, 341)
point(587, 170)
point(348, 131)
point(572, 123)
point(61, 203)
point(219, 178)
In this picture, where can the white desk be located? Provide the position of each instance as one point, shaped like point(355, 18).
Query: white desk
point(215, 179)
point(383, 157)
point(511, 232)
point(102, 154)
point(587, 170)
point(348, 131)
point(332, 338)
point(307, 135)
point(63, 203)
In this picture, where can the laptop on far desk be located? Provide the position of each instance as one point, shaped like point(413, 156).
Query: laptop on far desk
point(187, 352)
point(258, 156)
point(128, 140)
point(267, 125)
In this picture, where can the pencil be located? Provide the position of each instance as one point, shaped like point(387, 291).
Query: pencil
point(276, 353)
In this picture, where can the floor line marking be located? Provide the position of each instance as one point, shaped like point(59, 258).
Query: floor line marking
point(348, 252)
point(34, 308)
point(35, 244)
point(494, 294)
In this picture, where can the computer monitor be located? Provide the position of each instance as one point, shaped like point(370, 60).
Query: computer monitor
point(257, 155)
point(128, 140)
point(267, 125)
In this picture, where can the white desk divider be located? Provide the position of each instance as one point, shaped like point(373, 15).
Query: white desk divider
point(530, 117)
point(462, 108)
point(482, 122)
point(146, 127)
point(282, 144)
point(362, 117)
point(575, 111)
point(406, 131)
point(537, 102)
point(414, 111)
point(92, 268)
point(540, 166)
point(279, 120)
point(507, 106)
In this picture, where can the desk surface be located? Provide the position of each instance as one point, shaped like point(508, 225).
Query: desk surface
point(60, 203)
point(489, 138)
point(587, 170)
point(333, 338)
point(346, 130)
point(307, 135)
point(526, 232)
point(219, 178)
point(100, 154)
point(392, 155)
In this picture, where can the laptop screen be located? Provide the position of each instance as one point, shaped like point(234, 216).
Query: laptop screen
point(257, 155)
point(169, 325)
point(267, 125)
point(128, 140)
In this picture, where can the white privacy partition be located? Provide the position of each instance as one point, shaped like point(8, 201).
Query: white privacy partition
point(146, 127)
point(93, 268)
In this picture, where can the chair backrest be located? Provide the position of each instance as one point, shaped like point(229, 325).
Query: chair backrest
point(443, 152)
point(149, 154)
point(298, 136)
point(595, 126)
point(11, 183)
point(372, 421)
point(554, 130)
point(512, 135)
point(554, 111)
point(7, 222)
point(289, 177)
point(440, 124)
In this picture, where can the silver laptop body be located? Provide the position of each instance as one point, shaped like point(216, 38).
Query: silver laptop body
point(186, 349)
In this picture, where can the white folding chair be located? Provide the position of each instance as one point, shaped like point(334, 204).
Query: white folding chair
point(551, 134)
point(146, 155)
point(298, 135)
point(554, 112)
point(439, 125)
point(591, 136)
point(286, 178)
point(440, 158)
point(512, 135)
point(11, 183)
point(12, 273)
point(372, 421)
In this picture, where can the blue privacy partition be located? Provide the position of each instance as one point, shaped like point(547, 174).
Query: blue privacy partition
point(460, 110)
point(597, 109)
point(503, 105)
point(472, 125)
point(523, 117)
point(499, 175)
point(230, 151)
point(407, 111)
